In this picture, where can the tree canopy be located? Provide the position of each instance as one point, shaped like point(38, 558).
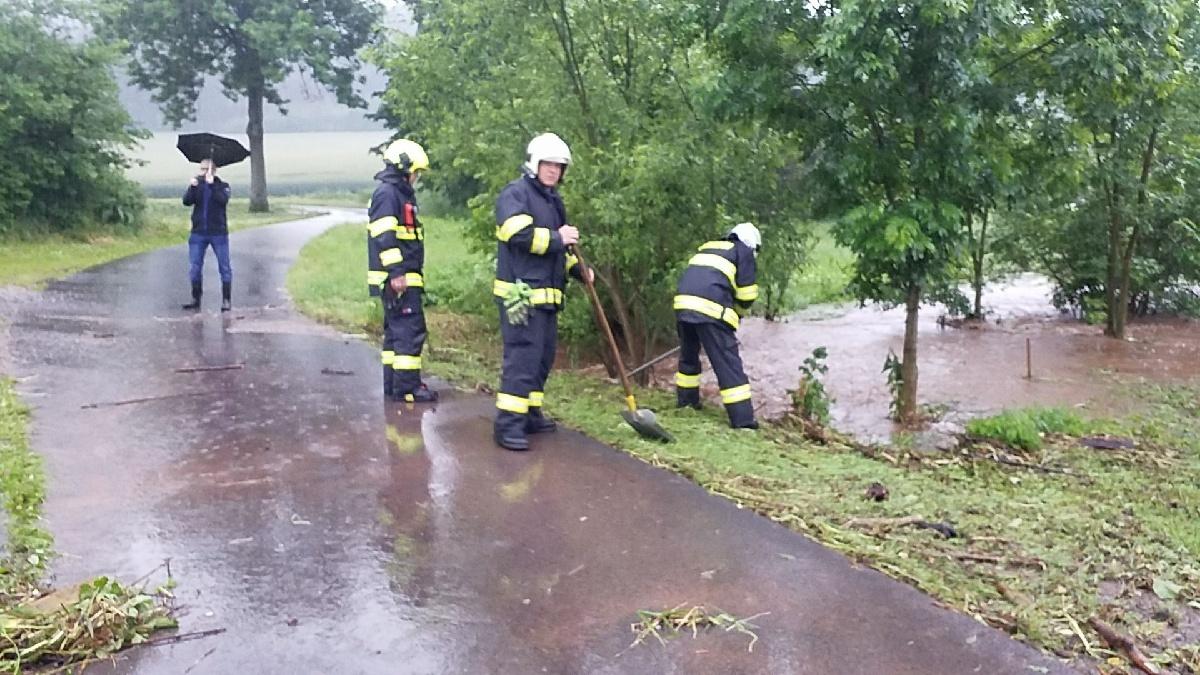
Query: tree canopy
point(250, 45)
point(62, 127)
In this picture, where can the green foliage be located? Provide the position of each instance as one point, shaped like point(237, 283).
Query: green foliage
point(22, 491)
point(249, 46)
point(1024, 428)
point(103, 618)
point(62, 128)
point(635, 91)
point(810, 400)
point(1116, 100)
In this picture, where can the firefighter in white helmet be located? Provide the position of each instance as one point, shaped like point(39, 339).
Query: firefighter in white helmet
point(715, 291)
point(532, 263)
point(396, 256)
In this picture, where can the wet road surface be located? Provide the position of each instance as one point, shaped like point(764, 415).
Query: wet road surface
point(329, 532)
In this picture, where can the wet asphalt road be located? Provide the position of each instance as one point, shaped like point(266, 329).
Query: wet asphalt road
point(330, 532)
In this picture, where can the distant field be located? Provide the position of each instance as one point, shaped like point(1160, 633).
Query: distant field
point(297, 163)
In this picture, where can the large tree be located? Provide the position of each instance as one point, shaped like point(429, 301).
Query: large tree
point(894, 90)
point(1123, 74)
point(62, 126)
point(250, 46)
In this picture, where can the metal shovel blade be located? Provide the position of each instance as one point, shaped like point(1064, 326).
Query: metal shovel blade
point(645, 423)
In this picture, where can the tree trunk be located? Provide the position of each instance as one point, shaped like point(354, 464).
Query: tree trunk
point(258, 167)
point(1126, 298)
point(1112, 285)
point(977, 263)
point(908, 367)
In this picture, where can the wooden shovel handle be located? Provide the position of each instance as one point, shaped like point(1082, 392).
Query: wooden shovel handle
point(602, 319)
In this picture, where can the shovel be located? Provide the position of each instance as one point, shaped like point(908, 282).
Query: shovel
point(642, 420)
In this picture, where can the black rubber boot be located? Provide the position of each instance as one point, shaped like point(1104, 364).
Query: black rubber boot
point(537, 423)
point(422, 394)
point(509, 431)
point(226, 291)
point(512, 442)
point(197, 291)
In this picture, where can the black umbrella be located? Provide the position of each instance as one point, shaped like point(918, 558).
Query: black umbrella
point(222, 151)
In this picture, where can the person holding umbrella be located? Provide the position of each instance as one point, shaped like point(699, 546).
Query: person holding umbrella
point(207, 195)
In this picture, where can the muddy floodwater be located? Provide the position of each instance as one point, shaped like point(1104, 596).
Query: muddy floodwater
point(976, 368)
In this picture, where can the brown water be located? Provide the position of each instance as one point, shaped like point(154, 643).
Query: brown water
point(978, 368)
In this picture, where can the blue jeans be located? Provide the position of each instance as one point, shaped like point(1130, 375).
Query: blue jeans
point(198, 244)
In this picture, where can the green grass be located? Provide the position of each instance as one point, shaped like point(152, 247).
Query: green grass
point(1041, 529)
point(33, 259)
point(824, 277)
point(1025, 428)
point(22, 491)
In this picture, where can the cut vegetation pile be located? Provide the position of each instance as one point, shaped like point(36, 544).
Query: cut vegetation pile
point(93, 621)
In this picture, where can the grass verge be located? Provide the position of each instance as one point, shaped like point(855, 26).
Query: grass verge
point(27, 548)
point(34, 259)
point(1046, 533)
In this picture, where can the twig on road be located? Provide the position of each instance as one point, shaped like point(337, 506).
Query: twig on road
point(147, 399)
point(209, 369)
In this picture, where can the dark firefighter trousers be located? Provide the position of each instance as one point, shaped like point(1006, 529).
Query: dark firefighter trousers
point(721, 346)
point(403, 339)
point(529, 352)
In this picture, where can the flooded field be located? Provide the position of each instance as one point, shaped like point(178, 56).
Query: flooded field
point(977, 368)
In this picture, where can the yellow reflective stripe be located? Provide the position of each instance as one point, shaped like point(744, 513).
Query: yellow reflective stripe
point(687, 381)
point(735, 394)
point(390, 256)
point(415, 279)
point(378, 227)
point(536, 398)
point(388, 356)
point(513, 225)
point(376, 277)
point(540, 296)
point(406, 234)
point(572, 260)
point(510, 403)
point(746, 293)
point(717, 245)
point(708, 308)
point(712, 260)
point(541, 241)
point(406, 362)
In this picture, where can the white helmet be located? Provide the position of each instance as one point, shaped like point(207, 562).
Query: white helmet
point(546, 148)
point(748, 234)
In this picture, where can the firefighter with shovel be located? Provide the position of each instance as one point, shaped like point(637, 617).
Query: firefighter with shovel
point(715, 291)
point(532, 264)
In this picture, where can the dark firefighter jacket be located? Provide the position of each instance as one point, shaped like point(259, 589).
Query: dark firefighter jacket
point(208, 215)
point(530, 249)
point(395, 238)
point(718, 285)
